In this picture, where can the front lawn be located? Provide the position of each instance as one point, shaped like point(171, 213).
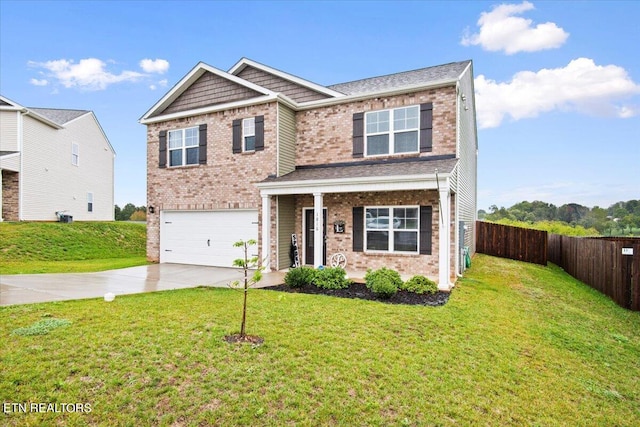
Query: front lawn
point(516, 344)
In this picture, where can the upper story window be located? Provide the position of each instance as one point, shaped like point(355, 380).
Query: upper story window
point(183, 147)
point(75, 154)
point(392, 131)
point(249, 134)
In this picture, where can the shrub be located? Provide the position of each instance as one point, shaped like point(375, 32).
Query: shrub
point(384, 287)
point(299, 276)
point(420, 285)
point(383, 281)
point(331, 278)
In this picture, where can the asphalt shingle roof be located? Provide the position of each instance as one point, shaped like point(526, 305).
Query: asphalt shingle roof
point(370, 169)
point(403, 79)
point(59, 116)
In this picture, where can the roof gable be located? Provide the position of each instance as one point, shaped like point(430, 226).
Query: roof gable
point(296, 88)
point(59, 116)
point(205, 86)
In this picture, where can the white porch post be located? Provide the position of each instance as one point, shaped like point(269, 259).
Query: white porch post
point(265, 245)
point(444, 265)
point(318, 228)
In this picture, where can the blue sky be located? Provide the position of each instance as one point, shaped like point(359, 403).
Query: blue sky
point(557, 83)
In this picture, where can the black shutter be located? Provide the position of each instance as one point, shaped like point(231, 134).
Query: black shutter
point(163, 149)
point(426, 127)
point(259, 129)
point(426, 217)
point(202, 138)
point(358, 135)
point(237, 136)
point(358, 229)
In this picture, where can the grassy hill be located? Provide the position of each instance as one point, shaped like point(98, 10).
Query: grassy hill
point(51, 247)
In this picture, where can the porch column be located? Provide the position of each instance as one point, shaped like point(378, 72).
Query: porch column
point(444, 240)
point(318, 228)
point(265, 245)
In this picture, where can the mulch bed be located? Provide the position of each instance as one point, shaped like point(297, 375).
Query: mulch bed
point(359, 290)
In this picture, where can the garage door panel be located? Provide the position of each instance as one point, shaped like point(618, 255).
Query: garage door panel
point(205, 238)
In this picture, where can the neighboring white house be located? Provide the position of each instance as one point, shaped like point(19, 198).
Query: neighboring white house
point(54, 160)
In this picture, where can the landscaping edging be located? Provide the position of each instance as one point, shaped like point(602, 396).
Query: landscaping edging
point(360, 291)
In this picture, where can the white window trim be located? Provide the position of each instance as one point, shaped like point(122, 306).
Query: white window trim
point(183, 147)
point(391, 132)
point(90, 200)
point(244, 136)
point(75, 154)
point(391, 230)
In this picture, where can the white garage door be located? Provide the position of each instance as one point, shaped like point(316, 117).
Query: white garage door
point(206, 238)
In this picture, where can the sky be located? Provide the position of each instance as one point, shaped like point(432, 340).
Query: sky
point(557, 84)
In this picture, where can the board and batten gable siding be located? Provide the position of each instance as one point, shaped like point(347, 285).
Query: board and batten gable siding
point(467, 153)
point(51, 183)
point(209, 89)
point(278, 84)
point(286, 140)
point(9, 131)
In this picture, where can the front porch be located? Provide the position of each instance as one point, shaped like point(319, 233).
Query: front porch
point(308, 203)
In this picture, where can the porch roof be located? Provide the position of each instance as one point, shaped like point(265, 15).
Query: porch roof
point(416, 173)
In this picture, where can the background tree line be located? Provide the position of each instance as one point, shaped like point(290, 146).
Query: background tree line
point(621, 218)
point(130, 212)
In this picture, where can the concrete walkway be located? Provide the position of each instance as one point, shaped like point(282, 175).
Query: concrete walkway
point(32, 288)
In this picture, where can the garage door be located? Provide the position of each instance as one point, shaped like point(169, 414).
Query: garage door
point(206, 238)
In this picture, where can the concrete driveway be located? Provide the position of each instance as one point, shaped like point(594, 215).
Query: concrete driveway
point(31, 288)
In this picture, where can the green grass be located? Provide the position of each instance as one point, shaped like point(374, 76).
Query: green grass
point(52, 247)
point(517, 344)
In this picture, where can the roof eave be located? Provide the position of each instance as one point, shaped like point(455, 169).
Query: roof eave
point(347, 185)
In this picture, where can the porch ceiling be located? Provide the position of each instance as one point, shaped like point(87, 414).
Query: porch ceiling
point(418, 173)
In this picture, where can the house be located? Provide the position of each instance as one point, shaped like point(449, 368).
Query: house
point(381, 169)
point(54, 160)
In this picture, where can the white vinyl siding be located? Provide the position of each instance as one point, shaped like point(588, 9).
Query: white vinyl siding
point(50, 183)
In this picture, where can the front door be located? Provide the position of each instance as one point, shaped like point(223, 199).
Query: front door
point(308, 237)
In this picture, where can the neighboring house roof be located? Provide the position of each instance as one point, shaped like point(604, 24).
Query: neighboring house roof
point(59, 116)
point(412, 166)
point(422, 76)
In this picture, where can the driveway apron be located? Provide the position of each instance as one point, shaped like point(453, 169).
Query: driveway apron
point(32, 288)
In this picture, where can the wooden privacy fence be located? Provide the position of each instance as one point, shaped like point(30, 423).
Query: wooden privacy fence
point(522, 244)
point(610, 265)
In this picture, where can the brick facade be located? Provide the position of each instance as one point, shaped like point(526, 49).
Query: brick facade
point(324, 135)
point(10, 196)
point(225, 182)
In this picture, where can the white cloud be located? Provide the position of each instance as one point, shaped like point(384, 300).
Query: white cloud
point(39, 82)
point(159, 66)
point(501, 30)
point(89, 73)
point(581, 86)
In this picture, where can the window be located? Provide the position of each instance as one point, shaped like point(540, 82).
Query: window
point(75, 154)
point(249, 134)
point(183, 147)
point(392, 229)
point(89, 202)
point(392, 131)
